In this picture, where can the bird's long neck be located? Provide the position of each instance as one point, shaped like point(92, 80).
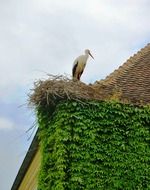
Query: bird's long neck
point(86, 56)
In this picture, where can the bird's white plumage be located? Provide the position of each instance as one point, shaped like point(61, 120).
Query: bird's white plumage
point(79, 64)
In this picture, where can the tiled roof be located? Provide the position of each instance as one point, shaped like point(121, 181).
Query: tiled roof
point(131, 80)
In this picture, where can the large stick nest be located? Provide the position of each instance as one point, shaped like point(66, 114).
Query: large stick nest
point(57, 88)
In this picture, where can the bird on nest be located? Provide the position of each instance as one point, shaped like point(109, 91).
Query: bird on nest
point(79, 65)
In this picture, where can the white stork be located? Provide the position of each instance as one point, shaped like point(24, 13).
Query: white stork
point(79, 65)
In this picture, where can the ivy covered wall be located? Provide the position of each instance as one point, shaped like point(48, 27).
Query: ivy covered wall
point(94, 146)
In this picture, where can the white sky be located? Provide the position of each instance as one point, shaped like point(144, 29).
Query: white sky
point(38, 36)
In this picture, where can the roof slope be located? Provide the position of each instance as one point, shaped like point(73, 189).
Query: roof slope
point(132, 79)
point(26, 163)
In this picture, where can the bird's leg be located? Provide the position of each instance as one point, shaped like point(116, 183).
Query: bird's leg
point(75, 79)
point(78, 77)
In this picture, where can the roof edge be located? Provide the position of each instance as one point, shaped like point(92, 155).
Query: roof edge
point(26, 162)
point(125, 66)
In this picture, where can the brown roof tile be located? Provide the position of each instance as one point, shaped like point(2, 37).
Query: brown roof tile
point(132, 79)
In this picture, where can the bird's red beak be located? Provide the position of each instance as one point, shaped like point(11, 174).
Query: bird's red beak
point(91, 55)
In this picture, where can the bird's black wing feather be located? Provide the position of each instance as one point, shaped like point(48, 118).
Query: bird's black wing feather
point(74, 69)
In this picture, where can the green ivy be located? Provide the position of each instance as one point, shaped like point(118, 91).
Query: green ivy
point(94, 146)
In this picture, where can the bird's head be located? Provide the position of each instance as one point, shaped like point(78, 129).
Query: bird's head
point(87, 51)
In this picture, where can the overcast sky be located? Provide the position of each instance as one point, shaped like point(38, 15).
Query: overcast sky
point(45, 36)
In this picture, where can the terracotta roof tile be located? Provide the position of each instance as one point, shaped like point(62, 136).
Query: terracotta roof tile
point(132, 79)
